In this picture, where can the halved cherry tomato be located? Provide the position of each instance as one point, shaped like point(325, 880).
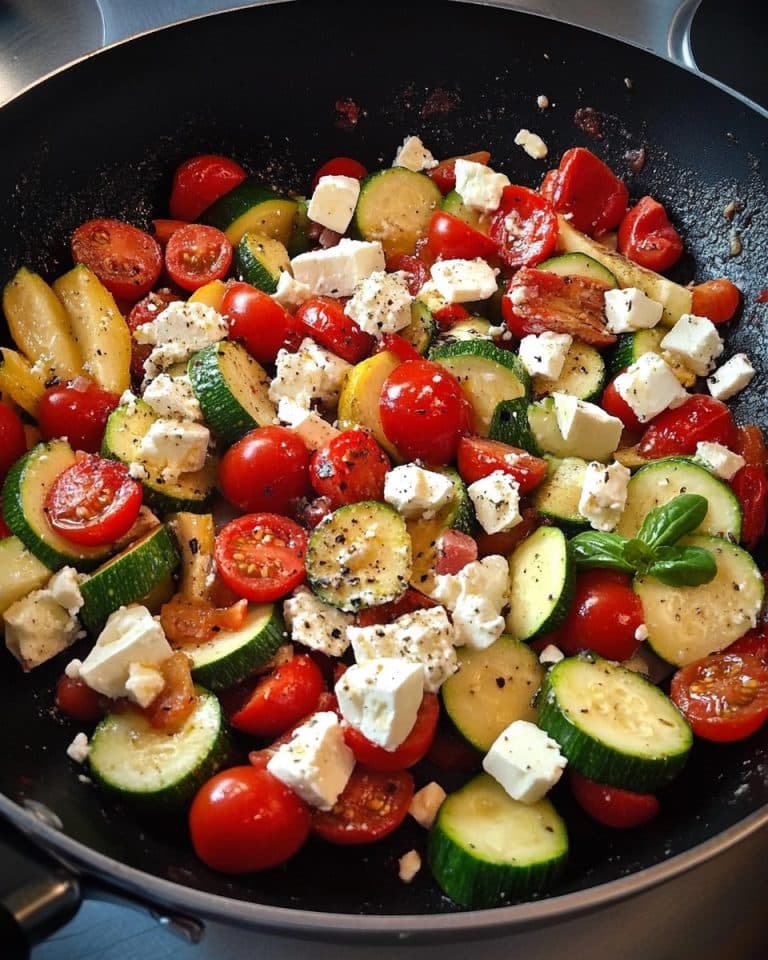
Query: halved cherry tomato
point(537, 300)
point(415, 266)
point(196, 254)
point(75, 698)
point(244, 819)
point(188, 620)
point(349, 468)
point(410, 751)
point(316, 510)
point(754, 643)
point(200, 181)
point(648, 238)
point(94, 502)
point(142, 312)
point(399, 346)
point(449, 315)
point(524, 227)
point(261, 556)
point(751, 487)
point(587, 189)
point(13, 440)
point(614, 404)
point(478, 457)
point(371, 806)
point(612, 806)
point(77, 410)
point(449, 238)
point(678, 431)
point(254, 318)
point(326, 703)
point(266, 470)
point(717, 299)
point(604, 616)
point(176, 701)
point(340, 167)
point(723, 696)
point(444, 174)
point(504, 542)
point(410, 601)
point(424, 411)
point(280, 699)
point(165, 229)
point(128, 261)
point(323, 319)
point(750, 444)
point(454, 551)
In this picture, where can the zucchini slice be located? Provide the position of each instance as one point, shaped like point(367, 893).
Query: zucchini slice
point(232, 389)
point(420, 332)
point(580, 265)
point(558, 496)
point(613, 725)
point(300, 240)
point(510, 424)
point(541, 580)
point(20, 573)
point(687, 623)
point(582, 376)
point(486, 849)
point(395, 207)
point(359, 556)
point(453, 204)
point(359, 398)
point(492, 688)
point(459, 514)
point(473, 328)
point(631, 346)
point(253, 207)
point(259, 260)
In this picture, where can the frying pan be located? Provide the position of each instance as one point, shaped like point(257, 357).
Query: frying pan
point(102, 137)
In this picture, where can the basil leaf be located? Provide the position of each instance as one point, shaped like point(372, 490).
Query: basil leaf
point(595, 549)
point(666, 524)
point(683, 566)
point(638, 554)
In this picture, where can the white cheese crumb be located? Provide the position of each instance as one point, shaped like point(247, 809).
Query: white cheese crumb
point(425, 804)
point(79, 749)
point(410, 864)
point(532, 143)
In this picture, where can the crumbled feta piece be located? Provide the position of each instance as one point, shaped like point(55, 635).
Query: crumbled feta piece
point(138, 471)
point(425, 804)
point(723, 462)
point(542, 101)
point(631, 309)
point(72, 669)
point(316, 762)
point(497, 501)
point(381, 699)
point(333, 202)
point(409, 865)
point(413, 155)
point(416, 492)
point(174, 447)
point(290, 293)
point(544, 354)
point(589, 431)
point(479, 187)
point(525, 761)
point(128, 400)
point(532, 143)
point(731, 377)
point(476, 596)
point(424, 636)
point(177, 332)
point(648, 386)
point(306, 424)
point(173, 398)
point(335, 272)
point(430, 296)
point(37, 628)
point(309, 374)
point(604, 494)
point(381, 303)
point(143, 683)
point(551, 655)
point(460, 281)
point(315, 624)
point(65, 589)
point(694, 341)
point(79, 749)
point(641, 633)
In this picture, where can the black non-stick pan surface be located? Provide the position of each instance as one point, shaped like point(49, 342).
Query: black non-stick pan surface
point(263, 85)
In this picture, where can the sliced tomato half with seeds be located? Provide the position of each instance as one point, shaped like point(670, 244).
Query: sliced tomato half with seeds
point(260, 556)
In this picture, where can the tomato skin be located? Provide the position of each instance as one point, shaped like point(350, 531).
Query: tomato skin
point(399, 346)
point(13, 440)
point(717, 299)
point(200, 181)
point(612, 806)
point(678, 431)
point(340, 167)
point(424, 411)
point(449, 315)
point(751, 445)
point(350, 468)
point(372, 805)
point(410, 601)
point(535, 227)
point(77, 410)
point(449, 238)
point(455, 550)
point(196, 254)
point(648, 238)
point(244, 819)
point(751, 487)
point(414, 266)
point(260, 323)
point(75, 698)
point(504, 542)
point(724, 697)
point(444, 174)
point(273, 544)
point(128, 261)
point(281, 698)
point(614, 404)
point(316, 510)
point(164, 229)
point(478, 457)
point(754, 642)
point(604, 616)
point(589, 190)
point(323, 319)
point(266, 470)
point(410, 751)
point(189, 620)
point(142, 312)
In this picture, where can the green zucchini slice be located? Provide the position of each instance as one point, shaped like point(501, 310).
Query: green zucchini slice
point(510, 424)
point(558, 496)
point(395, 207)
point(580, 265)
point(582, 376)
point(20, 572)
point(253, 207)
point(259, 260)
point(420, 332)
point(541, 579)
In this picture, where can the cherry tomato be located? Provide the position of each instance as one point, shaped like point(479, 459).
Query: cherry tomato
point(751, 487)
point(410, 601)
point(372, 805)
point(454, 551)
point(504, 542)
point(424, 411)
point(416, 268)
point(678, 431)
point(614, 404)
point(196, 254)
point(723, 696)
point(349, 468)
point(145, 311)
point(244, 819)
point(266, 470)
point(587, 189)
point(478, 457)
point(604, 616)
point(410, 751)
point(13, 440)
point(173, 706)
point(524, 227)
point(340, 167)
point(165, 229)
point(612, 806)
point(754, 643)
point(449, 315)
point(323, 319)
point(717, 299)
point(128, 261)
point(280, 699)
point(254, 318)
point(449, 238)
point(75, 698)
point(399, 346)
point(94, 502)
point(444, 174)
point(261, 556)
point(316, 510)
point(77, 410)
point(750, 444)
point(648, 238)
point(199, 182)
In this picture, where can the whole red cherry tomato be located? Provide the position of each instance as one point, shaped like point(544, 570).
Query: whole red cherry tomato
point(349, 468)
point(200, 181)
point(266, 470)
point(323, 319)
point(648, 238)
point(340, 167)
point(604, 616)
point(678, 431)
point(588, 190)
point(259, 322)
point(524, 227)
point(280, 699)
point(612, 806)
point(77, 410)
point(449, 238)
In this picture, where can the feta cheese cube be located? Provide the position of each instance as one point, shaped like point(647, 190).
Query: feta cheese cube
point(130, 635)
point(723, 462)
point(532, 143)
point(306, 424)
point(290, 293)
point(381, 303)
point(333, 202)
point(173, 398)
point(416, 492)
point(79, 749)
point(409, 865)
point(604, 494)
point(551, 655)
point(381, 699)
point(544, 354)
point(315, 624)
point(695, 341)
point(497, 501)
point(413, 155)
point(37, 628)
point(731, 377)
point(525, 761)
point(143, 683)
point(424, 636)
point(648, 386)
point(175, 446)
point(316, 762)
point(476, 596)
point(460, 281)
point(478, 186)
point(335, 271)
point(310, 374)
point(425, 804)
point(177, 332)
point(65, 590)
point(589, 431)
point(631, 309)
